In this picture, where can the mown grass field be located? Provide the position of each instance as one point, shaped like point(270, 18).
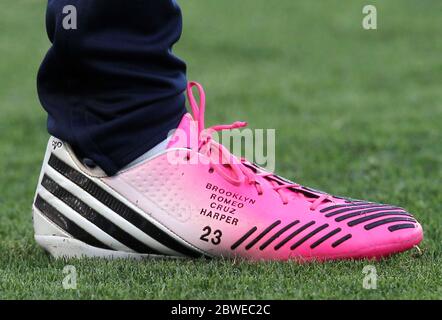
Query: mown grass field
point(356, 112)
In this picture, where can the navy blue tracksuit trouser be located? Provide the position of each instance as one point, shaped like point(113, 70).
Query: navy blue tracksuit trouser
point(110, 84)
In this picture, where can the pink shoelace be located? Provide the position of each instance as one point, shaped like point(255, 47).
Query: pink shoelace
point(224, 163)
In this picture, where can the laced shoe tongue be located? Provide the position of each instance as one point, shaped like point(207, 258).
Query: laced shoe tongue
point(185, 134)
point(191, 130)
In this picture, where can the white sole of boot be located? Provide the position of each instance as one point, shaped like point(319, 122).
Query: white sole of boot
point(69, 248)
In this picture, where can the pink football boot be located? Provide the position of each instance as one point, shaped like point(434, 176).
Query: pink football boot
point(195, 199)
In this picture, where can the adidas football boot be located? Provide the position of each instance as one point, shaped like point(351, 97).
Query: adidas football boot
point(196, 199)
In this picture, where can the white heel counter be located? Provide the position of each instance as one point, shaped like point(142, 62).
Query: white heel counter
point(54, 146)
point(43, 226)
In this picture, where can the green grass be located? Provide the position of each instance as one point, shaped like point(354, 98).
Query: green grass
point(357, 113)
